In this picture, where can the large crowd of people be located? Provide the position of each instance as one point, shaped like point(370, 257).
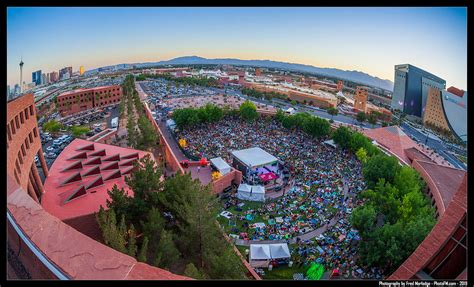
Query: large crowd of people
point(325, 180)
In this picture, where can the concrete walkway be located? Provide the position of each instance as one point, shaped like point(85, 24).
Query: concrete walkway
point(203, 174)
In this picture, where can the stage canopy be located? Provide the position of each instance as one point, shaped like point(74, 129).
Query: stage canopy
point(254, 157)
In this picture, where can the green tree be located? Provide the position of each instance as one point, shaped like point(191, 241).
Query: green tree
point(294, 103)
point(132, 241)
point(142, 255)
point(52, 126)
point(280, 115)
point(372, 119)
point(119, 201)
point(342, 136)
point(333, 112)
point(153, 225)
point(167, 254)
point(193, 272)
point(148, 136)
point(380, 166)
point(78, 131)
point(361, 155)
point(316, 127)
point(145, 181)
point(363, 219)
point(248, 111)
point(361, 117)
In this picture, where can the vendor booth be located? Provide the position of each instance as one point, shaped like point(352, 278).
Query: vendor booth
point(251, 192)
point(219, 164)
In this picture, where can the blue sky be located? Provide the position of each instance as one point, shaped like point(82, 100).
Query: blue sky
point(371, 40)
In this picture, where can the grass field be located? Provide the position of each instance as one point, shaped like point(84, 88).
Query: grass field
point(284, 272)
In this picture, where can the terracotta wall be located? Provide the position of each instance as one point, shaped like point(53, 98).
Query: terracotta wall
point(235, 176)
point(22, 107)
point(171, 160)
point(431, 185)
point(73, 253)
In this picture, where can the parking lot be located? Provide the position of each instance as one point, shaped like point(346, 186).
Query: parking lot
point(161, 88)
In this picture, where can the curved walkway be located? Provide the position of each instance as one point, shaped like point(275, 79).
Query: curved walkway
point(306, 236)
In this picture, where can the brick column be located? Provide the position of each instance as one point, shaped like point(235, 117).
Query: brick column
point(31, 191)
point(33, 181)
point(37, 179)
point(44, 166)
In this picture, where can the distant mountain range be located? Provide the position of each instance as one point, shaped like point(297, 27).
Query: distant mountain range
point(354, 76)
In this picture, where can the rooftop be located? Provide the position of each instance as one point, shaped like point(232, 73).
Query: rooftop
point(448, 180)
point(81, 175)
point(86, 90)
point(254, 157)
point(393, 139)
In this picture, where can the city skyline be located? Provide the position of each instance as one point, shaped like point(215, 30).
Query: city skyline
point(434, 39)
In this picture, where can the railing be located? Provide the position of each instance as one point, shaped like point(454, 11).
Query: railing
point(50, 265)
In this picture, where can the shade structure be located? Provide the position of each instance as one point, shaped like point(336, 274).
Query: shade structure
point(260, 252)
point(251, 192)
point(254, 157)
point(268, 176)
point(223, 167)
point(279, 251)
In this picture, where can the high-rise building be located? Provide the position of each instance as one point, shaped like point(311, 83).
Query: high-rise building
point(258, 72)
point(65, 73)
point(340, 85)
point(16, 89)
point(36, 77)
point(53, 77)
point(43, 79)
point(448, 111)
point(21, 74)
point(8, 91)
point(410, 90)
point(360, 99)
point(81, 70)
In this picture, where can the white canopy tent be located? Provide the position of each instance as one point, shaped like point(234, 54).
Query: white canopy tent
point(279, 251)
point(251, 192)
point(223, 167)
point(261, 254)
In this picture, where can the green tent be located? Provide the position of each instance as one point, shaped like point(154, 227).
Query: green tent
point(315, 271)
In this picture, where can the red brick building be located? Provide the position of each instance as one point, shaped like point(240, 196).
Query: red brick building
point(83, 99)
point(360, 99)
point(47, 247)
point(23, 143)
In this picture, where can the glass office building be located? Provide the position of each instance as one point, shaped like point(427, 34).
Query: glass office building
point(36, 77)
point(411, 87)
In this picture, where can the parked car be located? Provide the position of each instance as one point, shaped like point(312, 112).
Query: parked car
point(50, 149)
point(51, 155)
